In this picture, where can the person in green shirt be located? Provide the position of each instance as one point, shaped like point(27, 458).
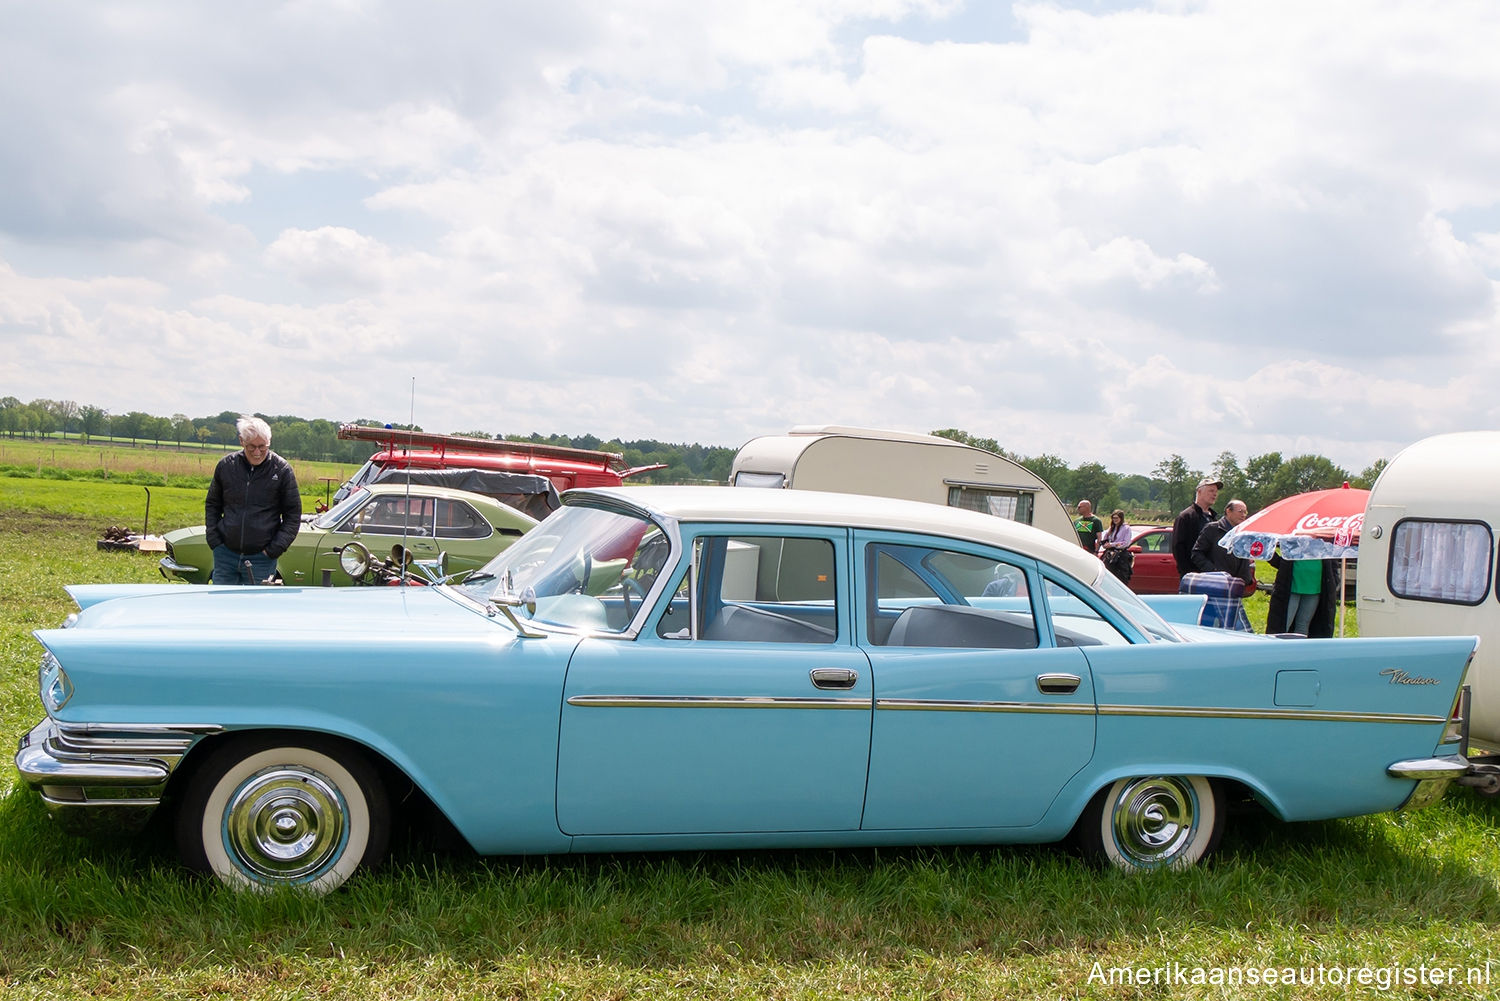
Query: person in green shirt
point(1088, 526)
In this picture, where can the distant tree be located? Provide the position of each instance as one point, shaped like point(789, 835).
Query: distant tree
point(92, 420)
point(182, 427)
point(1366, 479)
point(1260, 479)
point(1092, 481)
point(132, 425)
point(1053, 471)
point(1178, 480)
point(1302, 473)
point(1135, 490)
point(965, 438)
point(1226, 469)
point(474, 434)
point(66, 412)
point(43, 418)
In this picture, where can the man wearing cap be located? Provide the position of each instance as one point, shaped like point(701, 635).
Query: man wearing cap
point(1189, 524)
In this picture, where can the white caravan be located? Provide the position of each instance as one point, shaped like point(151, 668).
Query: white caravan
point(922, 467)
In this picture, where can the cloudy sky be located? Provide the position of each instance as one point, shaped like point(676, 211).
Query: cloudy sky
point(1109, 231)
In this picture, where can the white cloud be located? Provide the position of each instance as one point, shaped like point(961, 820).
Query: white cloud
point(1186, 227)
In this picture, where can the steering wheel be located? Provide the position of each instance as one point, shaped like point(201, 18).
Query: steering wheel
point(627, 585)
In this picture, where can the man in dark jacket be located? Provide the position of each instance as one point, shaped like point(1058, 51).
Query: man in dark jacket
point(1191, 521)
point(1208, 556)
point(253, 508)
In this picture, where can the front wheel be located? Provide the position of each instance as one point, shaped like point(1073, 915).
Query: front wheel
point(1162, 821)
point(280, 810)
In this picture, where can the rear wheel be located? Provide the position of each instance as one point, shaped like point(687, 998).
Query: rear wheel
point(1161, 821)
point(281, 810)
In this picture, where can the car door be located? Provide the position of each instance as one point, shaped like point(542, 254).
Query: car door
point(981, 714)
point(1154, 570)
point(743, 706)
point(384, 522)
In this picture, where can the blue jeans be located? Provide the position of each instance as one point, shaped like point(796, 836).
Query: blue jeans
point(1299, 612)
point(229, 566)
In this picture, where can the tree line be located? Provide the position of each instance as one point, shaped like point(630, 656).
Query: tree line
point(1169, 487)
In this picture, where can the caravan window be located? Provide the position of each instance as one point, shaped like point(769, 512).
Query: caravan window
point(773, 480)
point(1015, 505)
point(1445, 561)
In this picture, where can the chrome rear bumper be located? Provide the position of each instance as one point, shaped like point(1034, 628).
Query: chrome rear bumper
point(78, 767)
point(1432, 775)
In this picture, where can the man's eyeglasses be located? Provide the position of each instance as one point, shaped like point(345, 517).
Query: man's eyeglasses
point(257, 448)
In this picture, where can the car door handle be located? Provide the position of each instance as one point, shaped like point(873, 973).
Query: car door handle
point(1058, 684)
point(833, 677)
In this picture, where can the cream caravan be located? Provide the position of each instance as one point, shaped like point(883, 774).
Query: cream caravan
point(1427, 557)
point(920, 467)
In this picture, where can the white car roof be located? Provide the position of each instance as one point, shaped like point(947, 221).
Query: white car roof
point(813, 507)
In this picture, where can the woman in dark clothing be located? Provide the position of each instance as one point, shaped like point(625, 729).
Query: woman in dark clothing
point(1281, 593)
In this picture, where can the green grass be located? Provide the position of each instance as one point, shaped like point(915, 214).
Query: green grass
point(117, 918)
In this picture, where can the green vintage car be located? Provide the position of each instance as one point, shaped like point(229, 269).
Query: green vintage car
point(469, 528)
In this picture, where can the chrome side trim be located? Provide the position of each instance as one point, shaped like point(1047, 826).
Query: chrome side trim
point(975, 706)
point(713, 702)
point(1225, 712)
point(978, 706)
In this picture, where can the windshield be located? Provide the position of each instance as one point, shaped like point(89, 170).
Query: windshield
point(1137, 611)
point(330, 518)
point(586, 568)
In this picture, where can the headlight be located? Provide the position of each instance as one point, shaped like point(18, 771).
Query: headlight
point(55, 687)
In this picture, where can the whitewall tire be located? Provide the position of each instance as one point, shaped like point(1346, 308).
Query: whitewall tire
point(280, 810)
point(1155, 822)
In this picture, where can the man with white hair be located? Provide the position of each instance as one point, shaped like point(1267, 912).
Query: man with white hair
point(253, 508)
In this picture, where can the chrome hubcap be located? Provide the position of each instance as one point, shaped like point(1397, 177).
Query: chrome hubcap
point(285, 823)
point(1154, 819)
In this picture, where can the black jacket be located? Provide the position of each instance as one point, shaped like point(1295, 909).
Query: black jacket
point(1281, 592)
point(1185, 533)
point(253, 509)
point(1208, 555)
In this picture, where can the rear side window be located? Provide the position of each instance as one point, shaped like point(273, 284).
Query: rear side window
point(1446, 561)
point(457, 520)
point(921, 597)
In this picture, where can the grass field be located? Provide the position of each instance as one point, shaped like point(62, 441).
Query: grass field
point(1391, 896)
point(105, 462)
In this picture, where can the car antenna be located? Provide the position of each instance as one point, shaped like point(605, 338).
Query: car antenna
point(411, 423)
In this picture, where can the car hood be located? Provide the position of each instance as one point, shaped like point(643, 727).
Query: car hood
point(177, 612)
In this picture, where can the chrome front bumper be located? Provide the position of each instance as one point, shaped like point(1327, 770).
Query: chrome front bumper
point(171, 568)
point(79, 767)
point(1432, 775)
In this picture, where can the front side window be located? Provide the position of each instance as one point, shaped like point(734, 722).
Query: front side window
point(396, 515)
point(1075, 622)
point(926, 597)
point(1445, 561)
point(586, 568)
point(1155, 542)
point(765, 589)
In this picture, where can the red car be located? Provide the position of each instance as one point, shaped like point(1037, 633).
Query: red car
point(1155, 571)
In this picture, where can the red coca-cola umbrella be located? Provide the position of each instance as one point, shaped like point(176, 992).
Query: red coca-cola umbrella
point(1318, 525)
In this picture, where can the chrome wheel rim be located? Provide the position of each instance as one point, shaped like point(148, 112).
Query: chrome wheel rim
point(1154, 820)
point(285, 824)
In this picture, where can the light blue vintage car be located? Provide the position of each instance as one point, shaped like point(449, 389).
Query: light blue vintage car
point(689, 668)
